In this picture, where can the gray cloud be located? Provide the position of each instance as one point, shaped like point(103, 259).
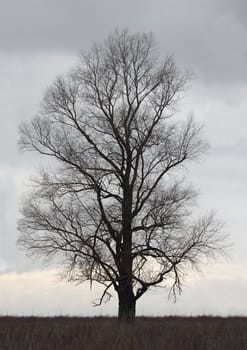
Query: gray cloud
point(236, 8)
point(63, 25)
point(207, 36)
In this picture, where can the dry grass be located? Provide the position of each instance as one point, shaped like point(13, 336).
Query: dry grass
point(168, 333)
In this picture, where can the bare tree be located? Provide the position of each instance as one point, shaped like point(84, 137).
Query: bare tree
point(116, 209)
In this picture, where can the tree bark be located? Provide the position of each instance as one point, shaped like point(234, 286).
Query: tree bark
point(127, 303)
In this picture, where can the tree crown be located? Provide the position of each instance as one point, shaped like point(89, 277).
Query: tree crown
point(116, 206)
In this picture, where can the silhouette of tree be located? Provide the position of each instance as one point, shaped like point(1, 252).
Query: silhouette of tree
point(116, 209)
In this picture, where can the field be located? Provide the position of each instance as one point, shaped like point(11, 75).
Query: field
point(168, 333)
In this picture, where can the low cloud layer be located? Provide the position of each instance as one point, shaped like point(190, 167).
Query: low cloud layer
point(210, 294)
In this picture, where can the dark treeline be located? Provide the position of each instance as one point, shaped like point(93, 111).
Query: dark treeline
point(170, 333)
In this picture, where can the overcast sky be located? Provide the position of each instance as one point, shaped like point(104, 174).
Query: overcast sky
point(40, 39)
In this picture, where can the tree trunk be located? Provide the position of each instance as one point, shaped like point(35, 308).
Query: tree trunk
point(127, 304)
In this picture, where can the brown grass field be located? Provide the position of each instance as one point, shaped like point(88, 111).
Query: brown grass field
point(168, 333)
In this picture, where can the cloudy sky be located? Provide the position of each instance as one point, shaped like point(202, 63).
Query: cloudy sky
point(40, 39)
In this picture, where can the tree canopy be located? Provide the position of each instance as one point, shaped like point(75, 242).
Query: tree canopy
point(115, 208)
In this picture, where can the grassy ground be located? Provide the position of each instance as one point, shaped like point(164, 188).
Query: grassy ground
point(168, 333)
